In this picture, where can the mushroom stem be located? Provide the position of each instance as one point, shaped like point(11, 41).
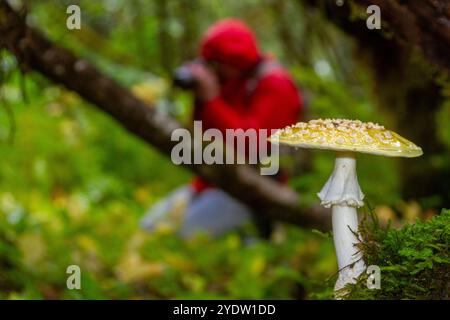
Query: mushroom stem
point(345, 228)
point(343, 194)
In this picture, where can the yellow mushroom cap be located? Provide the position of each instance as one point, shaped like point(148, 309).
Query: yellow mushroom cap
point(347, 136)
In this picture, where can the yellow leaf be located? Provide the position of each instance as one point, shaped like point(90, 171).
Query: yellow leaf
point(132, 268)
point(33, 249)
point(258, 265)
point(149, 91)
point(86, 243)
point(384, 214)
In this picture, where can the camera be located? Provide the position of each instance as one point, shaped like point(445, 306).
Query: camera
point(183, 78)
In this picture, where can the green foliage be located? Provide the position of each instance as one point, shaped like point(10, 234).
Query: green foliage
point(414, 260)
point(73, 186)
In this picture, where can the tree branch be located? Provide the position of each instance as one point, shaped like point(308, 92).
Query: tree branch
point(424, 24)
point(421, 24)
point(35, 52)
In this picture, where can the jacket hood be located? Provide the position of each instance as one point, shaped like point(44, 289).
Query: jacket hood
point(230, 41)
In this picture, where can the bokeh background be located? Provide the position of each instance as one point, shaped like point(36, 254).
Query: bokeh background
point(74, 184)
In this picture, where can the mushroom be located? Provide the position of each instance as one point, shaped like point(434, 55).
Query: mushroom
point(342, 192)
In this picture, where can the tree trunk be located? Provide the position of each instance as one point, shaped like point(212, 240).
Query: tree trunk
point(423, 24)
point(164, 36)
point(188, 14)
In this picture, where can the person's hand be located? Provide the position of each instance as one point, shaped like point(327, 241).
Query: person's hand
point(207, 84)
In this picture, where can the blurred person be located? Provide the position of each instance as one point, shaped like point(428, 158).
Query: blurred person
point(235, 87)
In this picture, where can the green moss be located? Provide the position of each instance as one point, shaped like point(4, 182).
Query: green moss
point(414, 261)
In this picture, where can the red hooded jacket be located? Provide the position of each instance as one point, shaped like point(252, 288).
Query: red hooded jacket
point(272, 104)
